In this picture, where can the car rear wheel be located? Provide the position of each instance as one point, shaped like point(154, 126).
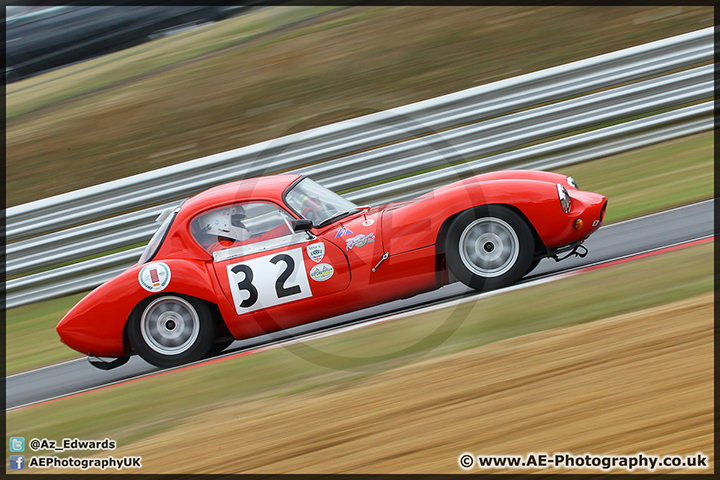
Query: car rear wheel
point(489, 247)
point(170, 330)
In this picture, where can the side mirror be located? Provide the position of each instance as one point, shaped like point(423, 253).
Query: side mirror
point(302, 225)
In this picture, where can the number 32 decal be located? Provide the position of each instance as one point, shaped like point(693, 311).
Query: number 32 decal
point(268, 281)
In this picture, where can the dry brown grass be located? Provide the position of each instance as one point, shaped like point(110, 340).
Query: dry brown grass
point(640, 382)
point(341, 65)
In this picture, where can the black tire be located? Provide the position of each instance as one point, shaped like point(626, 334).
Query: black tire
point(489, 247)
point(171, 329)
point(218, 347)
point(533, 264)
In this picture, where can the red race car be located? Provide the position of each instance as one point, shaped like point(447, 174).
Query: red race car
point(265, 254)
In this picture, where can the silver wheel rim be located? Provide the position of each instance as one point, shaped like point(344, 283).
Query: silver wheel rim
point(489, 247)
point(170, 325)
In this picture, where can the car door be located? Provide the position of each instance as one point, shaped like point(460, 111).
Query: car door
point(273, 277)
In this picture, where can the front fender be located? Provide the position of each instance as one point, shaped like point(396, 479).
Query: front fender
point(415, 224)
point(95, 326)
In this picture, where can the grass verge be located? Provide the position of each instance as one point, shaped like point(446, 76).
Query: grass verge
point(653, 178)
point(639, 182)
point(108, 71)
point(640, 381)
point(31, 338)
point(258, 76)
point(132, 411)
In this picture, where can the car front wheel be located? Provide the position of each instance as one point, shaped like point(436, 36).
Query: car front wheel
point(489, 247)
point(170, 330)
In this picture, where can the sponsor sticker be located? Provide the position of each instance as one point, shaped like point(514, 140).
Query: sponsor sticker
point(342, 231)
point(154, 277)
point(359, 240)
point(316, 251)
point(368, 222)
point(321, 272)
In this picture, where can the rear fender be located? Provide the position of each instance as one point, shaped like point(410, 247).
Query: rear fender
point(96, 325)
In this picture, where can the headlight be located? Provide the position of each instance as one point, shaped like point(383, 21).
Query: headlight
point(571, 181)
point(564, 197)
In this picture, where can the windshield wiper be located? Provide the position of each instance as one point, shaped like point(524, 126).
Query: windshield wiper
point(339, 214)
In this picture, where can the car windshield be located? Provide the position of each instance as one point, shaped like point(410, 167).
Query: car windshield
point(311, 200)
point(154, 244)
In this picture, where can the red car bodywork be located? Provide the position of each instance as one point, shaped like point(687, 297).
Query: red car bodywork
point(410, 232)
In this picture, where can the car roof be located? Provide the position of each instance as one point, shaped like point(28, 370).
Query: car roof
point(266, 188)
point(179, 244)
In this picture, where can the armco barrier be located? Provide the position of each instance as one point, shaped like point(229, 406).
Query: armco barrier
point(505, 124)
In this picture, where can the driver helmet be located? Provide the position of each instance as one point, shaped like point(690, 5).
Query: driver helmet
point(226, 222)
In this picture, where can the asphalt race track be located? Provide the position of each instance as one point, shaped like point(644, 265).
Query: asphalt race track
point(676, 226)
